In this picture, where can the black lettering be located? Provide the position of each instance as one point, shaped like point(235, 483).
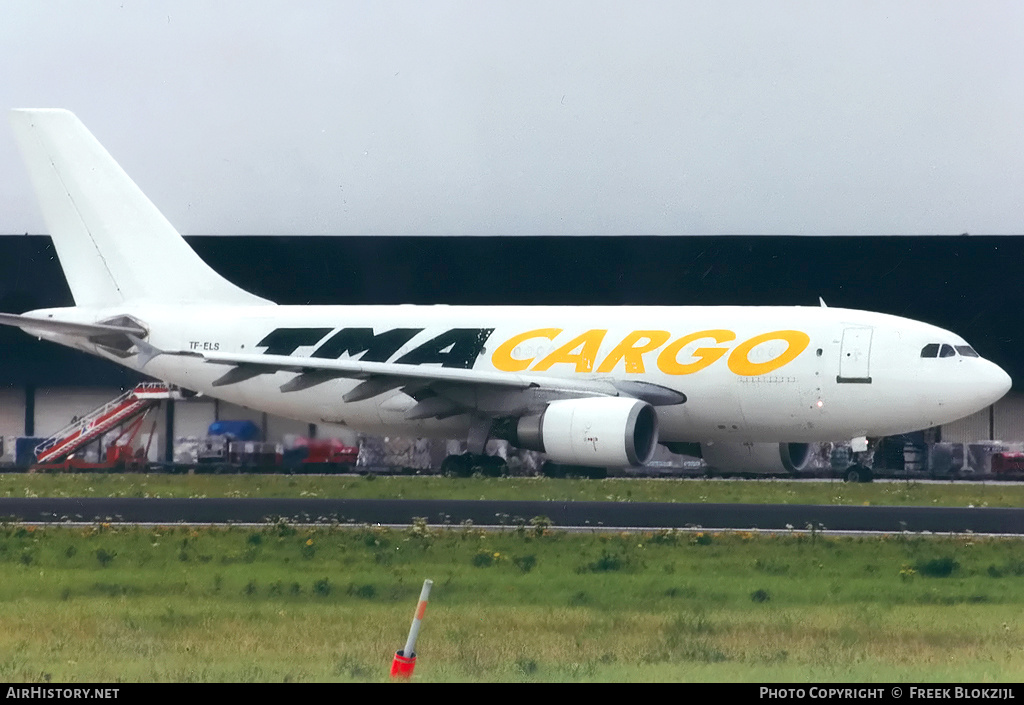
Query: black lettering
point(377, 348)
point(458, 348)
point(284, 341)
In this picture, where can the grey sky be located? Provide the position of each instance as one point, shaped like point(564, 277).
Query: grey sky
point(519, 117)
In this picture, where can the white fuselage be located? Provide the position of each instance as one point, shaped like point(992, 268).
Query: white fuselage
point(749, 374)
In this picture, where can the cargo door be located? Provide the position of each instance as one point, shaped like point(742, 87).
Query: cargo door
point(855, 357)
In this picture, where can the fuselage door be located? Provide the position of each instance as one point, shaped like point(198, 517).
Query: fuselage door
point(855, 357)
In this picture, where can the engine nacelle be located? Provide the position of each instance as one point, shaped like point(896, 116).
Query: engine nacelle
point(762, 458)
point(599, 431)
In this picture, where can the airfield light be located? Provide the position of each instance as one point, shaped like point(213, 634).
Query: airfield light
point(405, 660)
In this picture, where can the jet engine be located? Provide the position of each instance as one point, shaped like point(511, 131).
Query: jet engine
point(599, 431)
point(764, 458)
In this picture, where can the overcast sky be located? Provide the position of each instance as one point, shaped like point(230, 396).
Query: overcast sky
point(518, 117)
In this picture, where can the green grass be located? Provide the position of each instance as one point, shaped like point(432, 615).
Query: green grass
point(539, 488)
point(333, 604)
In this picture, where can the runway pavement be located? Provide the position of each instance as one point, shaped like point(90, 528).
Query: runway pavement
point(626, 515)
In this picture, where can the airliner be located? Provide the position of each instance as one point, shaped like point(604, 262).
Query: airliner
point(747, 387)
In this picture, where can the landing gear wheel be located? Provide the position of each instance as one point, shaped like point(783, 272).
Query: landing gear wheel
point(490, 466)
point(457, 465)
point(858, 473)
point(467, 464)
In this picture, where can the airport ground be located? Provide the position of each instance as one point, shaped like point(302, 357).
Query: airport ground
point(712, 491)
point(285, 603)
point(281, 602)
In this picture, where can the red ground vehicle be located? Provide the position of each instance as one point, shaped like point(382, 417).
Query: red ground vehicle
point(1007, 463)
point(328, 454)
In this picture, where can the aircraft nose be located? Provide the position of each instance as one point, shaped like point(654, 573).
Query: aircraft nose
point(982, 384)
point(997, 383)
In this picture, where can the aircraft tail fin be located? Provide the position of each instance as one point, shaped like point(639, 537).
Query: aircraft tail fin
point(113, 243)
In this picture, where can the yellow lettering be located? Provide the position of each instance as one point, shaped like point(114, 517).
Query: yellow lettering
point(739, 360)
point(629, 351)
point(668, 363)
point(502, 357)
point(582, 351)
point(587, 344)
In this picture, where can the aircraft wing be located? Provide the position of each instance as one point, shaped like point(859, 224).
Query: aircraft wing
point(439, 391)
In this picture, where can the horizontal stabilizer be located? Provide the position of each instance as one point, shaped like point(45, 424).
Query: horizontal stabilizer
point(84, 330)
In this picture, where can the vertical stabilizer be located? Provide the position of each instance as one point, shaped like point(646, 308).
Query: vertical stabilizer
point(113, 243)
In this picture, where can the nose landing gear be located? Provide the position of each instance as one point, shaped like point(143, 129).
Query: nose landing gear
point(858, 473)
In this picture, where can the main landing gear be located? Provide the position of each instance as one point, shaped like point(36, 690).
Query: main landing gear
point(469, 464)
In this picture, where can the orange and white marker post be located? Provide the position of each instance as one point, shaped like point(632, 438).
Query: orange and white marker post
point(405, 660)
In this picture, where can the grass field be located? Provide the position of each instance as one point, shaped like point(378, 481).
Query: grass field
point(281, 603)
point(616, 490)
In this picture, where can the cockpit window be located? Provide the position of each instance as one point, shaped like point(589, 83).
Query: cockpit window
point(946, 350)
